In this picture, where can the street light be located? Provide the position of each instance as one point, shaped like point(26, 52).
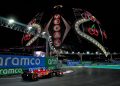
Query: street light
point(43, 33)
point(96, 52)
point(73, 52)
point(11, 21)
point(87, 52)
point(66, 52)
point(29, 28)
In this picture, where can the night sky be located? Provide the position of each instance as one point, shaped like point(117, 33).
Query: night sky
point(107, 12)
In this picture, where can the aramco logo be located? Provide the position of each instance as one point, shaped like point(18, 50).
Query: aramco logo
point(15, 61)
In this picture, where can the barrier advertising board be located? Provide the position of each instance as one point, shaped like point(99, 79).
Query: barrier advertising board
point(73, 63)
point(13, 64)
point(14, 61)
point(51, 62)
point(11, 71)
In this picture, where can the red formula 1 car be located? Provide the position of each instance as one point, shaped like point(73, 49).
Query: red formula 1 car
point(36, 74)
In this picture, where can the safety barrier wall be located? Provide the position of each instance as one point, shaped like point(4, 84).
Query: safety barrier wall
point(51, 63)
point(14, 64)
point(14, 61)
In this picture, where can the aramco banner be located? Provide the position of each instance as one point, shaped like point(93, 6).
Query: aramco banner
point(13, 64)
point(14, 61)
point(11, 71)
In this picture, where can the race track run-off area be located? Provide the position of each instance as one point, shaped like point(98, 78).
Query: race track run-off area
point(73, 76)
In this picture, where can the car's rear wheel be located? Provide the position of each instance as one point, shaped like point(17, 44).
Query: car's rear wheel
point(50, 75)
point(34, 77)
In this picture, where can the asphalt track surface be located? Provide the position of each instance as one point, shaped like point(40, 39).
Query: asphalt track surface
point(79, 77)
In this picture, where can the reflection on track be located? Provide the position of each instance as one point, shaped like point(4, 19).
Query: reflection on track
point(68, 71)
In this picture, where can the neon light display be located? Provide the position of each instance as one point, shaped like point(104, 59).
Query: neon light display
point(57, 42)
point(92, 27)
point(93, 31)
point(25, 38)
point(88, 15)
point(56, 28)
point(104, 34)
point(57, 35)
point(87, 37)
point(33, 29)
point(86, 26)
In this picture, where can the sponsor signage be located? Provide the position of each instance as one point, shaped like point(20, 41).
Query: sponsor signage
point(13, 64)
point(51, 63)
point(31, 69)
point(14, 61)
point(73, 63)
point(11, 71)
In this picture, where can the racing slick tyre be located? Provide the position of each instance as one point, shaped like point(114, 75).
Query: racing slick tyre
point(50, 75)
point(24, 78)
point(34, 77)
